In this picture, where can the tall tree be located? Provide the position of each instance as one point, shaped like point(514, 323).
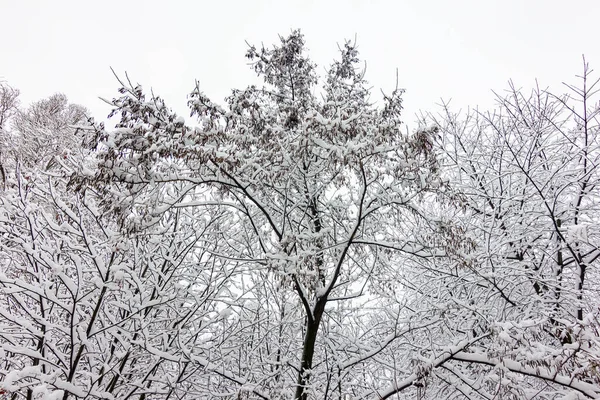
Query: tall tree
point(527, 177)
point(323, 197)
point(89, 311)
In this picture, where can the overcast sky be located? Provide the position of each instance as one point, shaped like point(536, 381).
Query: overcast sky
point(450, 49)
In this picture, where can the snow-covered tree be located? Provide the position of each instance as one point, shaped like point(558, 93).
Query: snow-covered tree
point(9, 103)
point(323, 197)
point(526, 176)
point(31, 137)
point(47, 128)
point(88, 311)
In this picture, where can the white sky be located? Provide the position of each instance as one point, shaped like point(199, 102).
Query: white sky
point(459, 49)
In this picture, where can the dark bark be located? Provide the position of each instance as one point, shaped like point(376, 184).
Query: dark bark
point(308, 351)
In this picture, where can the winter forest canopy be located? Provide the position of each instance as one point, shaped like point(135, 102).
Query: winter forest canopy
point(300, 242)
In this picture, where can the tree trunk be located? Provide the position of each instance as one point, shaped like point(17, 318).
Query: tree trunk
point(308, 351)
